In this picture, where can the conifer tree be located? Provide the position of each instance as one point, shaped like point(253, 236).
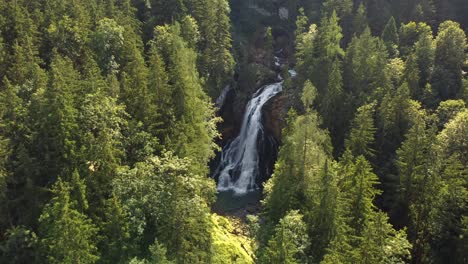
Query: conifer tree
point(331, 107)
point(289, 242)
point(365, 58)
point(381, 243)
point(56, 139)
point(360, 191)
point(116, 246)
point(419, 187)
point(301, 25)
point(412, 77)
point(67, 235)
point(328, 49)
point(304, 151)
point(325, 215)
point(360, 20)
point(390, 37)
point(361, 137)
point(195, 127)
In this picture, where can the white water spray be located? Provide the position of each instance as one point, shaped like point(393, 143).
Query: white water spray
point(239, 165)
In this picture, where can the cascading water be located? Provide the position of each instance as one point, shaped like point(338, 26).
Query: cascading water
point(239, 165)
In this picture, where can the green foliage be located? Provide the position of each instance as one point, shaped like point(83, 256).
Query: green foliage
point(108, 41)
point(362, 132)
point(449, 58)
point(365, 60)
point(304, 151)
point(165, 200)
point(56, 137)
point(95, 94)
point(195, 124)
point(390, 37)
point(20, 246)
point(288, 242)
point(360, 20)
point(447, 110)
point(67, 235)
point(227, 246)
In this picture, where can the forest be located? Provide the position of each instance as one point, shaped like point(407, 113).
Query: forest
point(125, 123)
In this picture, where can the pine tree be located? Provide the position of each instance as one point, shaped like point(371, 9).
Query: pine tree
point(360, 191)
point(327, 50)
point(424, 55)
point(363, 75)
point(216, 61)
point(289, 241)
point(331, 107)
point(419, 187)
point(390, 37)
point(304, 151)
point(195, 127)
point(116, 246)
point(67, 235)
point(381, 243)
point(305, 55)
point(301, 25)
point(159, 119)
point(412, 77)
point(361, 137)
point(360, 20)
point(56, 125)
point(325, 215)
point(134, 87)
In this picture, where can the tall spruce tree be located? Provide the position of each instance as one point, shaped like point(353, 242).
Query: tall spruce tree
point(67, 235)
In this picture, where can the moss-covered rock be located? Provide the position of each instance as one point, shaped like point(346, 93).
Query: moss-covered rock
point(229, 245)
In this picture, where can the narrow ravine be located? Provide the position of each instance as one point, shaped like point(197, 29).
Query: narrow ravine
point(240, 170)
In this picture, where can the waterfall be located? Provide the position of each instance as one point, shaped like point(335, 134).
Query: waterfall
point(239, 164)
point(222, 96)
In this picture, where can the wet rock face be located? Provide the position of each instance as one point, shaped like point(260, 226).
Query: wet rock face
point(274, 115)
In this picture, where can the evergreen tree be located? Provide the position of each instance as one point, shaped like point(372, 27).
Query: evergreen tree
point(304, 151)
point(56, 139)
point(305, 55)
point(360, 192)
point(116, 246)
point(67, 235)
point(360, 20)
point(195, 126)
point(331, 107)
point(289, 241)
point(424, 56)
point(390, 37)
point(216, 61)
point(328, 49)
point(412, 78)
point(419, 187)
point(383, 244)
point(365, 58)
point(325, 215)
point(361, 137)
